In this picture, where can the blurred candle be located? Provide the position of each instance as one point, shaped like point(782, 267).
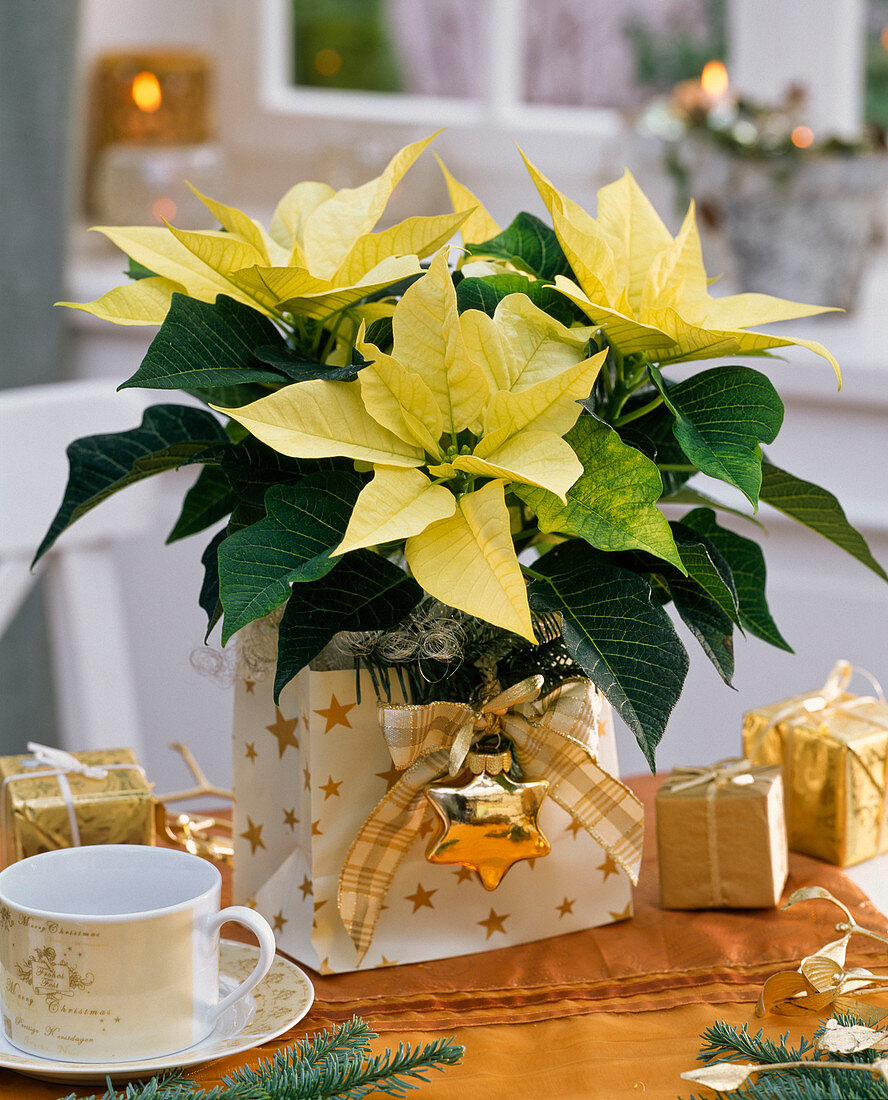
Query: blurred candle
point(151, 129)
point(714, 80)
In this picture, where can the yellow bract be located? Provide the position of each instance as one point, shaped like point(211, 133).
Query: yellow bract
point(466, 397)
point(648, 291)
point(318, 257)
point(479, 226)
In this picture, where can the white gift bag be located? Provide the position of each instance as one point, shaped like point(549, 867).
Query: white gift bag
point(309, 771)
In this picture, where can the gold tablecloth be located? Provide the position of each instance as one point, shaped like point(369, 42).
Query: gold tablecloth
point(608, 1013)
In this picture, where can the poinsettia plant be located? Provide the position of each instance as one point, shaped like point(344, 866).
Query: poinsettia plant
point(389, 419)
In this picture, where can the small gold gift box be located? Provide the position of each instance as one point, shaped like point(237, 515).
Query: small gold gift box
point(53, 799)
point(833, 748)
point(721, 837)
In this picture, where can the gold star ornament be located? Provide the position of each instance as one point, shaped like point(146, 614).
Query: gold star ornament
point(486, 820)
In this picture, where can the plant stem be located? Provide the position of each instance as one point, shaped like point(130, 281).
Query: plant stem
point(636, 414)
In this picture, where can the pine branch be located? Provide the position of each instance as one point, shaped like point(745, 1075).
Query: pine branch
point(721, 1039)
point(347, 1075)
point(723, 1043)
point(334, 1065)
point(167, 1086)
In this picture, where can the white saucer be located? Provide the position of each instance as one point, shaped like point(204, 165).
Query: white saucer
point(279, 1002)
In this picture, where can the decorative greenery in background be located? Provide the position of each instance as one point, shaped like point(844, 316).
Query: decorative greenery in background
point(331, 1064)
point(343, 44)
point(663, 58)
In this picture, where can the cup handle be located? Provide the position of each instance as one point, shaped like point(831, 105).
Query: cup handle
point(261, 929)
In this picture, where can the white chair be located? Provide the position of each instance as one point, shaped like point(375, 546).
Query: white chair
point(88, 636)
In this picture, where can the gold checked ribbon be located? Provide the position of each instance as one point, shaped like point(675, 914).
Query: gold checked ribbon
point(732, 771)
point(554, 737)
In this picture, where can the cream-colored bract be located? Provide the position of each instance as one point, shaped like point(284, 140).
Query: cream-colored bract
point(510, 384)
point(479, 226)
point(318, 256)
point(469, 561)
point(649, 291)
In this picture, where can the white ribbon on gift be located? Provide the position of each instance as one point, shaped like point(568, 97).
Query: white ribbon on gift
point(59, 764)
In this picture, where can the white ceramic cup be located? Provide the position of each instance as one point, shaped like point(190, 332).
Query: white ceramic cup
point(110, 952)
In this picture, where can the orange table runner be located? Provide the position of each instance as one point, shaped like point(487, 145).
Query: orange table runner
point(588, 998)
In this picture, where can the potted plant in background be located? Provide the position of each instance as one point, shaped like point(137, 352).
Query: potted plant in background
point(800, 213)
point(404, 450)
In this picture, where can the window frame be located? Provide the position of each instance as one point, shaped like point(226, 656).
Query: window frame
point(276, 103)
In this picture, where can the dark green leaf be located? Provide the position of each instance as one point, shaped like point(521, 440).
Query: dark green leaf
point(211, 455)
point(486, 292)
point(363, 592)
point(207, 501)
point(209, 589)
point(532, 244)
point(303, 524)
point(721, 416)
point(693, 497)
point(815, 508)
point(747, 564)
point(230, 397)
point(135, 270)
point(707, 568)
point(653, 436)
point(204, 345)
point(626, 644)
point(612, 504)
point(100, 465)
point(710, 625)
point(298, 368)
point(251, 468)
point(245, 514)
point(380, 334)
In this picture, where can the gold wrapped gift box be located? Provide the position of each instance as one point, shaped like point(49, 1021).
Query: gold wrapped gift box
point(721, 837)
point(833, 748)
point(110, 800)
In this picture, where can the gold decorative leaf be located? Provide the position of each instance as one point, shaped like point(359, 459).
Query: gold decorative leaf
point(843, 1039)
point(723, 1076)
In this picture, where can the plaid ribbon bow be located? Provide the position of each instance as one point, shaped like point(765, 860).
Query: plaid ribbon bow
point(554, 738)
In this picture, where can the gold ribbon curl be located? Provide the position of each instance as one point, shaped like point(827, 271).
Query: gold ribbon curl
point(553, 738)
point(823, 983)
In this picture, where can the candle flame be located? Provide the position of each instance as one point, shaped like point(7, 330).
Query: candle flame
point(802, 137)
point(146, 92)
point(328, 62)
point(163, 209)
point(714, 79)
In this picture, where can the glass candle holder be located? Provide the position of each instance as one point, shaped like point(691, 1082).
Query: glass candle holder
point(152, 129)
